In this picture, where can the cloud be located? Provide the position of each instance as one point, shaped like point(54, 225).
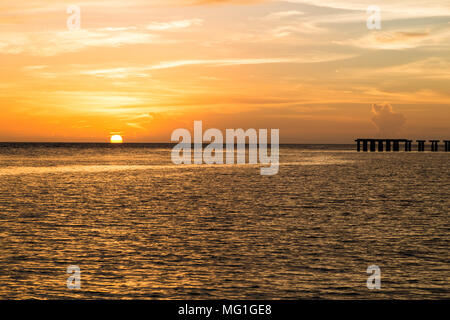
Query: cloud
point(51, 43)
point(141, 71)
point(54, 43)
point(397, 9)
point(235, 2)
point(284, 14)
point(398, 40)
point(31, 68)
point(180, 24)
point(428, 68)
point(315, 58)
point(125, 72)
point(118, 73)
point(386, 120)
point(118, 28)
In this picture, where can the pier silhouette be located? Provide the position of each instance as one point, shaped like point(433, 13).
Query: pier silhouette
point(389, 145)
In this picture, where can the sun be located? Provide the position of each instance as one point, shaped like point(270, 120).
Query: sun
point(116, 139)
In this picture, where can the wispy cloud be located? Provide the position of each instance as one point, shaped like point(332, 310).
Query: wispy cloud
point(51, 43)
point(172, 25)
point(54, 43)
point(119, 73)
point(401, 8)
point(140, 71)
point(398, 40)
point(429, 68)
point(32, 68)
point(284, 14)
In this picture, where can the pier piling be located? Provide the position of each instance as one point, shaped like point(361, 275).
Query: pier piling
point(447, 145)
point(396, 145)
point(421, 145)
point(380, 146)
point(372, 146)
point(388, 145)
point(435, 145)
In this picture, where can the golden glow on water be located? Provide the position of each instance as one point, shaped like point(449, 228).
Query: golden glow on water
point(137, 228)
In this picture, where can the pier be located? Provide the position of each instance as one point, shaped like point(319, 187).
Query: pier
point(389, 145)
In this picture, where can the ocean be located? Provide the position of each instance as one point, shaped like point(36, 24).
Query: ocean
point(140, 227)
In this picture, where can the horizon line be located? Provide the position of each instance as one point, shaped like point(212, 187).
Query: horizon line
point(206, 143)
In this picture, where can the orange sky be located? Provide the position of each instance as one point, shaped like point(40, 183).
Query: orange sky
point(144, 68)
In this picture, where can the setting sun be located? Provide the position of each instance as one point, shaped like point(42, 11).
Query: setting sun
point(116, 139)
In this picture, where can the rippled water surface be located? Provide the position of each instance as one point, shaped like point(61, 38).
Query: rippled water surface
point(140, 227)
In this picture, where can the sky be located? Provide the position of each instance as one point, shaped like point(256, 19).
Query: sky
point(143, 68)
